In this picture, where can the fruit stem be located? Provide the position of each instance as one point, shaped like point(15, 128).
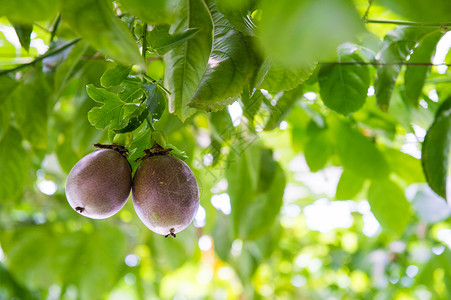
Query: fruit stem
point(171, 232)
point(121, 149)
point(155, 150)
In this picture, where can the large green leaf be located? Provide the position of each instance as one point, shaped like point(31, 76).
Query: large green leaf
point(66, 70)
point(343, 88)
point(404, 165)
point(152, 11)
point(27, 11)
point(282, 107)
point(186, 63)
point(318, 148)
point(30, 101)
point(435, 151)
point(357, 153)
point(162, 41)
point(251, 105)
point(110, 114)
point(114, 76)
point(237, 12)
point(96, 23)
point(415, 76)
point(389, 205)
point(14, 165)
point(396, 47)
point(280, 78)
point(296, 32)
point(231, 64)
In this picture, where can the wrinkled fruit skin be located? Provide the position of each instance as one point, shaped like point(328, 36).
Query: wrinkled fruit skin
point(165, 194)
point(99, 184)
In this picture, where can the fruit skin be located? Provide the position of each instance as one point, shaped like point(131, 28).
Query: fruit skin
point(165, 194)
point(99, 184)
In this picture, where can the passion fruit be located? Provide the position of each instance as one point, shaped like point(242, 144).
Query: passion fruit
point(99, 184)
point(165, 192)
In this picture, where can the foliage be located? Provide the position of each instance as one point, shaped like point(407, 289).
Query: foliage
point(318, 131)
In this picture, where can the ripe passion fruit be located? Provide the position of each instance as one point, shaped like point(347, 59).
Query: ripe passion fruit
point(99, 184)
point(165, 192)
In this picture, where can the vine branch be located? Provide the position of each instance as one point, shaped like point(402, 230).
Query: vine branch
point(42, 57)
point(375, 63)
point(408, 23)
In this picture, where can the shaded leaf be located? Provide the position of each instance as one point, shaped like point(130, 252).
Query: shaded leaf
point(389, 205)
point(283, 106)
point(318, 147)
point(343, 88)
point(396, 46)
point(435, 150)
point(251, 105)
point(27, 11)
point(152, 11)
point(23, 31)
point(110, 114)
point(156, 101)
point(14, 165)
point(415, 76)
point(231, 64)
point(65, 70)
point(237, 12)
point(133, 121)
point(96, 23)
point(418, 10)
point(186, 63)
point(280, 78)
point(114, 76)
point(162, 41)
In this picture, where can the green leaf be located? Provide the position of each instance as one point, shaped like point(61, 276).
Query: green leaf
point(65, 71)
point(283, 106)
point(27, 11)
point(96, 23)
point(349, 185)
point(415, 76)
point(318, 147)
point(152, 11)
point(133, 121)
point(296, 32)
point(251, 105)
point(140, 142)
point(343, 88)
point(435, 150)
point(389, 206)
point(114, 76)
point(23, 31)
point(280, 78)
point(237, 12)
point(186, 63)
point(162, 41)
point(31, 112)
point(231, 64)
point(404, 165)
point(5, 118)
point(419, 10)
point(396, 46)
point(357, 153)
point(7, 87)
point(110, 114)
point(14, 165)
point(156, 101)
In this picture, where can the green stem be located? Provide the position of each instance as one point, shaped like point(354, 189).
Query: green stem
point(156, 82)
point(149, 122)
point(408, 23)
point(55, 28)
point(144, 42)
point(40, 58)
point(365, 16)
point(376, 63)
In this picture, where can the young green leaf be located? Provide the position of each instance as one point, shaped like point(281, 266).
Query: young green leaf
point(110, 114)
point(162, 41)
point(283, 106)
point(280, 78)
point(186, 63)
point(389, 205)
point(343, 88)
point(415, 76)
point(231, 64)
point(14, 161)
point(133, 120)
point(156, 101)
point(318, 147)
point(114, 76)
point(396, 46)
point(96, 23)
point(435, 150)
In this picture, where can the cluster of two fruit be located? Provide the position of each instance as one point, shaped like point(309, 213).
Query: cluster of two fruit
point(164, 189)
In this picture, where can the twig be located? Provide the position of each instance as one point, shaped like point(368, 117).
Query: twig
point(144, 41)
point(408, 23)
point(375, 63)
point(55, 28)
point(156, 82)
point(40, 58)
point(365, 16)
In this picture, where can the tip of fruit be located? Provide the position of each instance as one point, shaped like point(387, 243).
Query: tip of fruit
point(80, 209)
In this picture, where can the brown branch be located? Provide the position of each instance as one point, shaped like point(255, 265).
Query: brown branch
point(376, 63)
point(409, 23)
